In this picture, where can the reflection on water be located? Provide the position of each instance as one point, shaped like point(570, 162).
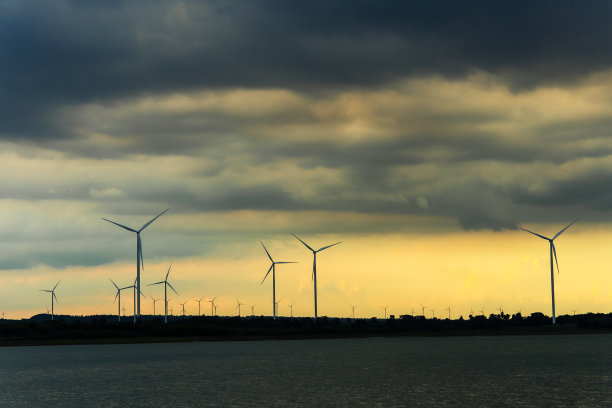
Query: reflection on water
point(510, 371)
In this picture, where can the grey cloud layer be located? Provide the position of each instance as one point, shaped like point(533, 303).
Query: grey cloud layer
point(486, 113)
point(67, 53)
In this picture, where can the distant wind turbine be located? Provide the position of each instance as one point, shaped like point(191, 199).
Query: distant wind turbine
point(471, 311)
point(238, 306)
point(3, 315)
point(423, 310)
point(166, 284)
point(123, 310)
point(118, 296)
point(501, 311)
point(154, 301)
point(276, 307)
point(139, 258)
point(52, 291)
point(553, 252)
point(252, 310)
point(183, 305)
point(433, 313)
point(291, 307)
point(353, 307)
point(314, 267)
point(385, 307)
point(481, 312)
point(212, 306)
point(449, 314)
point(573, 311)
point(273, 269)
point(199, 304)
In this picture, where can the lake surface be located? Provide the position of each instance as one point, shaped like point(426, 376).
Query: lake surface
point(511, 371)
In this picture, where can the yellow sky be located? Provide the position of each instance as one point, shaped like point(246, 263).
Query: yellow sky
point(463, 270)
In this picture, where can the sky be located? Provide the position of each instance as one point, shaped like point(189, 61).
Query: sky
point(422, 135)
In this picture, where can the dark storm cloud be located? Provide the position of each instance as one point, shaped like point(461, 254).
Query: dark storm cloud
point(61, 54)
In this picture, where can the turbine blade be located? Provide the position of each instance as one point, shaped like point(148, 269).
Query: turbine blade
point(538, 235)
point(267, 273)
point(57, 284)
point(116, 296)
point(555, 254)
point(329, 246)
point(305, 244)
point(168, 273)
point(156, 283)
point(122, 226)
point(168, 283)
point(148, 223)
point(44, 290)
point(563, 230)
point(284, 262)
point(55, 297)
point(114, 283)
point(264, 247)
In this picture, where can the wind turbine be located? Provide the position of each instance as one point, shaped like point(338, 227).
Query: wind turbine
point(553, 251)
point(139, 258)
point(183, 304)
point(212, 306)
point(573, 311)
point(123, 310)
point(423, 310)
point(385, 307)
point(353, 307)
point(471, 311)
point(481, 312)
point(154, 301)
point(433, 313)
point(3, 315)
point(118, 296)
point(133, 287)
point(252, 310)
point(52, 291)
point(238, 306)
point(166, 284)
point(199, 304)
point(501, 311)
point(273, 269)
point(314, 267)
point(448, 308)
point(291, 307)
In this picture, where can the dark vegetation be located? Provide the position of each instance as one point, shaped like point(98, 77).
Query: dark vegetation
point(40, 329)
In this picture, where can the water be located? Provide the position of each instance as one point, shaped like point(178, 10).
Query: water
point(511, 371)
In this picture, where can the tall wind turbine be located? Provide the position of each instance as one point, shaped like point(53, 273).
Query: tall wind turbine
point(273, 269)
point(166, 284)
point(385, 307)
point(252, 310)
point(353, 307)
point(139, 258)
point(52, 291)
point(291, 307)
point(448, 308)
point(314, 267)
point(553, 251)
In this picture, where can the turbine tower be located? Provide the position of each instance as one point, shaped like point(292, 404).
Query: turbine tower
point(139, 258)
point(353, 307)
point(314, 267)
point(448, 308)
point(385, 307)
point(553, 252)
point(252, 310)
point(166, 284)
point(273, 269)
point(291, 307)
point(52, 291)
